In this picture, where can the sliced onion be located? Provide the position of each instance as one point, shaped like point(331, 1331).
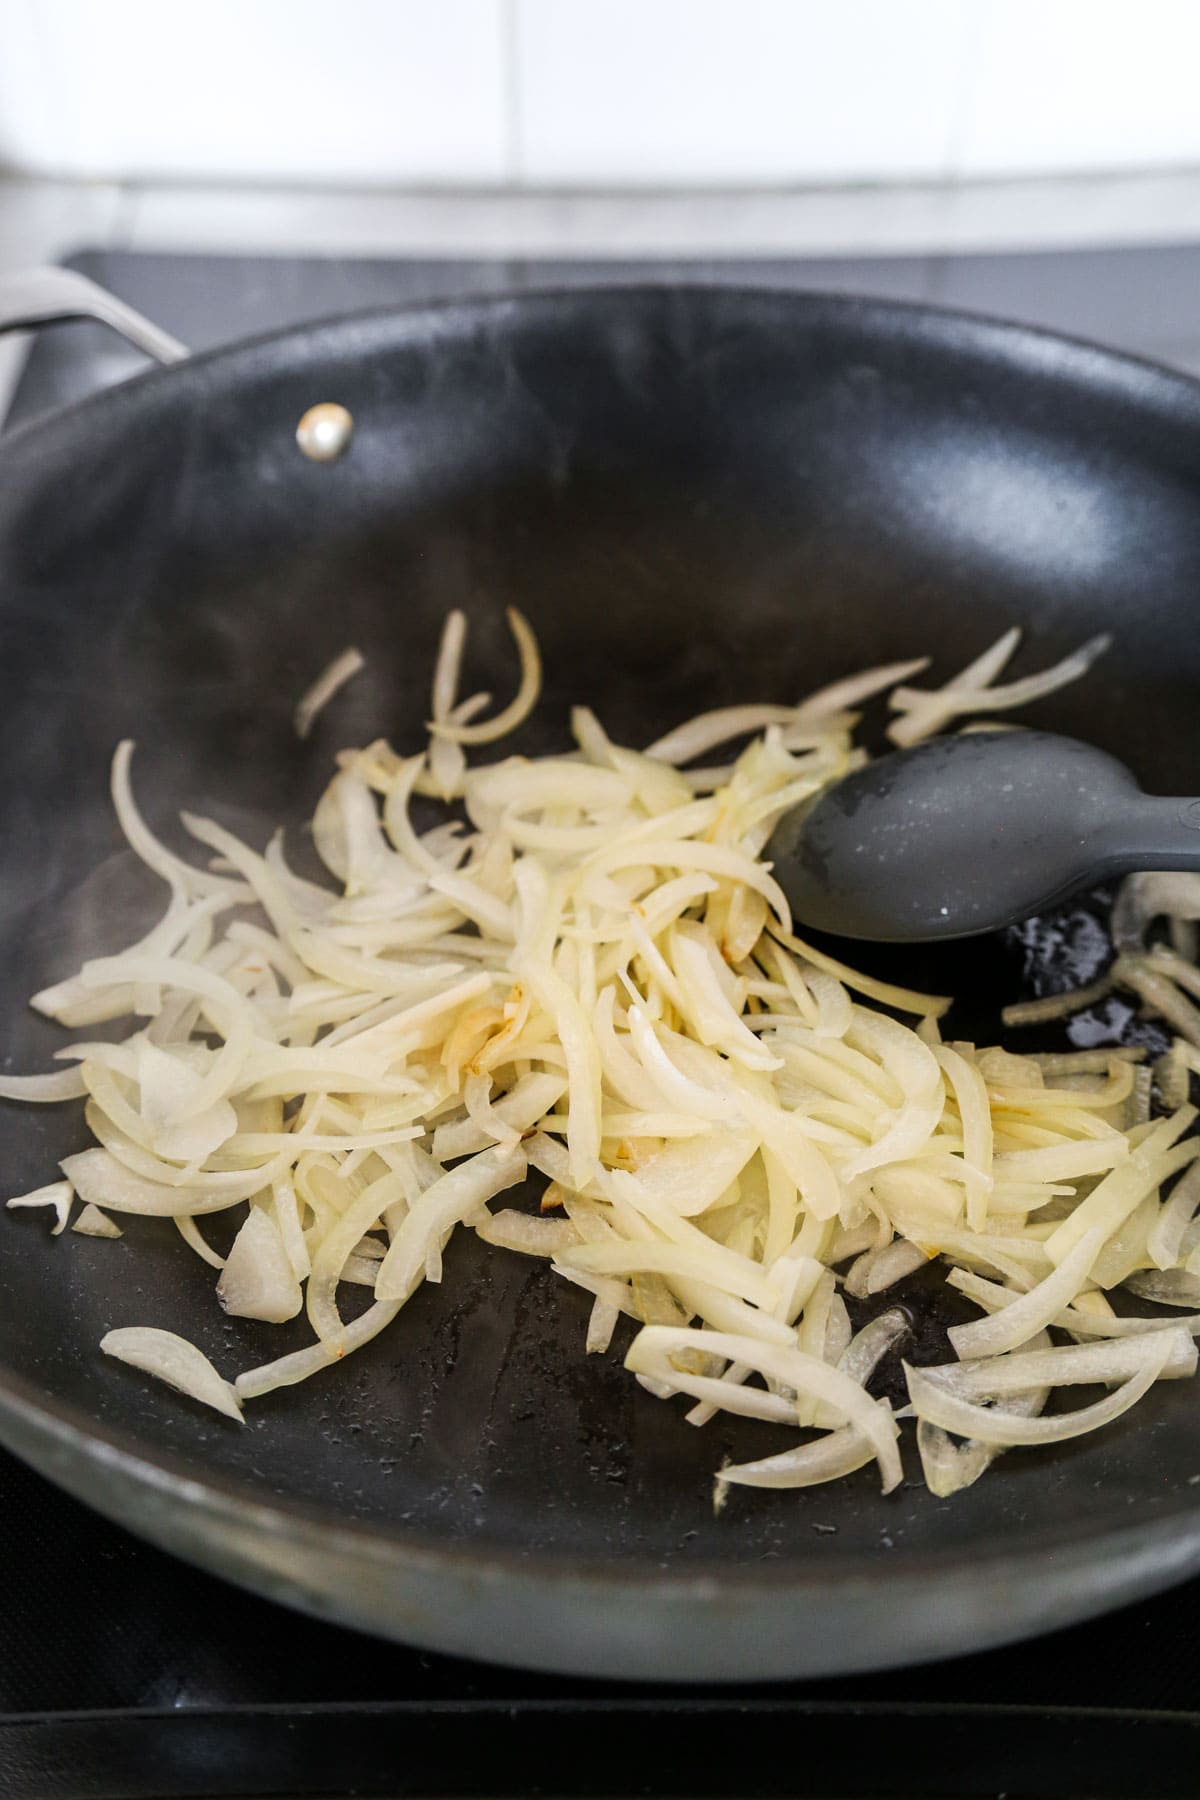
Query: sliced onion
point(522, 703)
point(286, 1371)
point(194, 1238)
point(949, 1467)
point(583, 1064)
point(707, 730)
point(1166, 1237)
point(869, 1346)
point(523, 1107)
point(655, 1349)
point(1160, 994)
point(1173, 1287)
point(1031, 1312)
point(451, 1199)
point(602, 1322)
point(145, 845)
point(1058, 1006)
point(177, 1362)
point(807, 1465)
point(932, 1399)
point(597, 977)
point(1066, 1365)
point(258, 1281)
point(926, 713)
point(58, 1194)
point(691, 1174)
point(93, 1223)
point(1146, 897)
point(881, 1266)
point(1114, 1199)
point(64, 1084)
point(98, 1177)
point(738, 1277)
point(532, 1237)
point(330, 681)
point(853, 689)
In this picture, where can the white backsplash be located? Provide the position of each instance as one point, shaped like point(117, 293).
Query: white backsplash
point(267, 90)
point(708, 92)
point(595, 93)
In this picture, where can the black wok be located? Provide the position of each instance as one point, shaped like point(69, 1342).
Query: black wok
point(697, 496)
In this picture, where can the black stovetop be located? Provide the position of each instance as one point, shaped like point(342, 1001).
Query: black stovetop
point(126, 1674)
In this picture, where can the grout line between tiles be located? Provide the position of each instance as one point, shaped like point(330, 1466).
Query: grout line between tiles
point(969, 35)
point(511, 99)
point(125, 215)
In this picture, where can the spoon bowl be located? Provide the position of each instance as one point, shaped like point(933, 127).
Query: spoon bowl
point(967, 834)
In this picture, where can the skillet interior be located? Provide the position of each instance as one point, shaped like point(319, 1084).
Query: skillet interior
point(697, 497)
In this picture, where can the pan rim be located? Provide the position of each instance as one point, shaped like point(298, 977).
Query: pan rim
point(60, 1424)
point(377, 1538)
point(982, 330)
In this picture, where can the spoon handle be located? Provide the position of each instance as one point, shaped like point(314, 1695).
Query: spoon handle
point(1154, 833)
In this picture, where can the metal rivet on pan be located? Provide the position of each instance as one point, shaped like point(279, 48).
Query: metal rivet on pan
point(324, 431)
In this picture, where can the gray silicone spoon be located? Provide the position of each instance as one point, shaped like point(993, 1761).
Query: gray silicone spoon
point(967, 834)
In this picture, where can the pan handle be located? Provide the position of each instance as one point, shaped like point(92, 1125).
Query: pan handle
point(47, 296)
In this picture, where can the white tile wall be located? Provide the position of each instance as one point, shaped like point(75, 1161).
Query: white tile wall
point(1077, 85)
point(357, 90)
point(596, 93)
point(708, 92)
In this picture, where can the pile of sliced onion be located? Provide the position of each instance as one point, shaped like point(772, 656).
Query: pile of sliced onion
point(587, 972)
